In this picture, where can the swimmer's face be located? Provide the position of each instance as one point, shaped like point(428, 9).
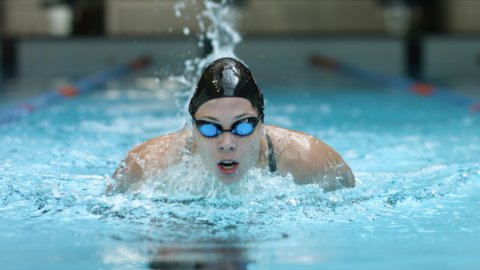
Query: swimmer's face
point(228, 156)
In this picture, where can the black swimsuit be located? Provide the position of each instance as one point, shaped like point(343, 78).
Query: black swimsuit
point(272, 161)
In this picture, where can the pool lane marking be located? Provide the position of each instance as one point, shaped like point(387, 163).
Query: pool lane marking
point(404, 83)
point(79, 87)
point(475, 108)
point(68, 91)
point(423, 89)
point(27, 107)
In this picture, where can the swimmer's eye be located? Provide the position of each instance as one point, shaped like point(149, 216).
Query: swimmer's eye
point(243, 127)
point(209, 130)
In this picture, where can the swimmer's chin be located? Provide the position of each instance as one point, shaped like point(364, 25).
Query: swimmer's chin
point(229, 180)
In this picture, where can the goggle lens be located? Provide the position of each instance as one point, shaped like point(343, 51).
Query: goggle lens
point(208, 130)
point(241, 128)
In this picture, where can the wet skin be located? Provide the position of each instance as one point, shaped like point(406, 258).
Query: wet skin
point(228, 156)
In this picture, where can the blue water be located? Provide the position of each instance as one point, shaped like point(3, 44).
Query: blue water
point(416, 205)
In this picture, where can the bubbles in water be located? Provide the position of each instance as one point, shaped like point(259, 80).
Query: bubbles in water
point(186, 31)
point(191, 178)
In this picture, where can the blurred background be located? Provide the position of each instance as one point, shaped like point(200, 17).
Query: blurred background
point(431, 40)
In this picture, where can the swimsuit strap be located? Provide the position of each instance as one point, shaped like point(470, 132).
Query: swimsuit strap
point(272, 161)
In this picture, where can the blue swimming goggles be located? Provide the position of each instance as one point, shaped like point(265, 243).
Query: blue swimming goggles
point(243, 127)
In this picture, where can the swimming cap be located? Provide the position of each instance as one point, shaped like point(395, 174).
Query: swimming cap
point(226, 77)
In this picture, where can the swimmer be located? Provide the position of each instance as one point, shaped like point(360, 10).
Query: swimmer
point(229, 136)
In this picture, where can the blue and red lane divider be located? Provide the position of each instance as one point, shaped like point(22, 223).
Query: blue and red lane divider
point(407, 84)
point(79, 87)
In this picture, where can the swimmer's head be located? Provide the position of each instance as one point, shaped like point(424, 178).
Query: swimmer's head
point(226, 77)
point(227, 136)
point(227, 111)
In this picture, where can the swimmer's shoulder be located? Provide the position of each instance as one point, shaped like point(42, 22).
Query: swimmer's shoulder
point(161, 151)
point(288, 144)
point(149, 158)
point(293, 150)
point(308, 158)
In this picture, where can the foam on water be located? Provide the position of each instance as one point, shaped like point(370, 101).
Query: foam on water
point(413, 183)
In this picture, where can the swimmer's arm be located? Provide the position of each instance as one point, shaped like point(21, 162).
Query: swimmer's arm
point(317, 162)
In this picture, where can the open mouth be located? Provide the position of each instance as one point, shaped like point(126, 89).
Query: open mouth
point(228, 166)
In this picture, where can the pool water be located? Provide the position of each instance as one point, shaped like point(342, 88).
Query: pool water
point(416, 205)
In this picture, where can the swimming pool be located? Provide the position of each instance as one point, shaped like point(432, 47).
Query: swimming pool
point(415, 206)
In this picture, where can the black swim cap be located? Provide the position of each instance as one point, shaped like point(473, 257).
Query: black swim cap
point(226, 77)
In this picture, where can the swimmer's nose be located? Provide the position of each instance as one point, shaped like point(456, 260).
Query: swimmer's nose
point(227, 142)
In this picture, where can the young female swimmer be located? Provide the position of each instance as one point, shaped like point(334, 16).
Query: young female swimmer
point(229, 136)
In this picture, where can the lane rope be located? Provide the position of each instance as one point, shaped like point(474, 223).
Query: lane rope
point(79, 87)
point(404, 83)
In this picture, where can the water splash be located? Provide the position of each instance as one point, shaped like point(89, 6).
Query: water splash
point(191, 178)
point(220, 32)
point(217, 36)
